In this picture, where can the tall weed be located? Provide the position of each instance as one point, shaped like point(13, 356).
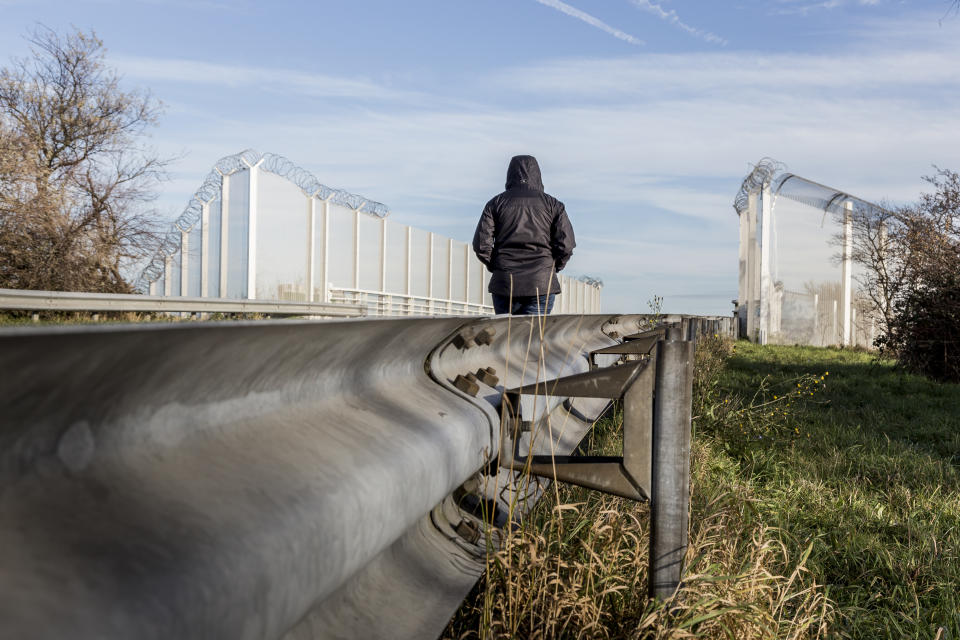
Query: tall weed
point(577, 568)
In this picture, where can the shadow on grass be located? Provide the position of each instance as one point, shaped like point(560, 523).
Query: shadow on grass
point(863, 399)
point(875, 485)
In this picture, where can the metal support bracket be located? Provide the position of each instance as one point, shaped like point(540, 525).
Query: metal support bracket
point(655, 389)
point(637, 344)
point(628, 475)
point(658, 332)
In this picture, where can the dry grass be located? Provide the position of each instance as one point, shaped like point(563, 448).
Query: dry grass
point(825, 501)
point(578, 567)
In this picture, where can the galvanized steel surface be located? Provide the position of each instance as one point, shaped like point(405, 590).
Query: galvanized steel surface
point(264, 480)
point(222, 480)
point(19, 299)
point(670, 489)
point(214, 481)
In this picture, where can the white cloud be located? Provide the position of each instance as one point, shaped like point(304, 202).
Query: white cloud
point(803, 7)
point(211, 74)
point(573, 12)
point(674, 19)
point(656, 76)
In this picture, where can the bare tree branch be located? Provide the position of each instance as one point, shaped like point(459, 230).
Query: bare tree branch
point(74, 178)
point(911, 257)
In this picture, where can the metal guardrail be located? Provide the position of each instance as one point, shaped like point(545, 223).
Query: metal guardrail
point(23, 300)
point(292, 479)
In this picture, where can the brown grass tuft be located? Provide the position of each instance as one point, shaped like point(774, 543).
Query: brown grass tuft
point(577, 567)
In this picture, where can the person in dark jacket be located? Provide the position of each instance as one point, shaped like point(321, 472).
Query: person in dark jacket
point(524, 238)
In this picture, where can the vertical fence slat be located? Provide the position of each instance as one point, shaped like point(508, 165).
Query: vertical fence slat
point(449, 275)
point(430, 273)
point(356, 249)
point(252, 211)
point(409, 262)
point(383, 254)
point(224, 225)
point(846, 273)
point(766, 274)
point(184, 263)
point(466, 274)
point(167, 275)
point(311, 244)
point(481, 289)
point(325, 249)
point(205, 250)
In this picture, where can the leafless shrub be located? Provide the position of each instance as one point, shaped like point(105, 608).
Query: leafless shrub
point(74, 178)
point(924, 333)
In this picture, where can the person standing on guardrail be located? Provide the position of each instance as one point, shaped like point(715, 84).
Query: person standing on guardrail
point(524, 238)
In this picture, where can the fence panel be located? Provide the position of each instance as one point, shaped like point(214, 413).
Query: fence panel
point(261, 228)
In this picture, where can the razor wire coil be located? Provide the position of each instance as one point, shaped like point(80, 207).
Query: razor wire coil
point(169, 243)
point(761, 175)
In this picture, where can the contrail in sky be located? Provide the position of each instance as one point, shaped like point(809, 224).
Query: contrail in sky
point(672, 17)
point(590, 20)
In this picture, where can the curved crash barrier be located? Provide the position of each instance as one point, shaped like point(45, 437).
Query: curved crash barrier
point(290, 479)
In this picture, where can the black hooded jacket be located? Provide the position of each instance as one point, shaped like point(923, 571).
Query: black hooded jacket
point(524, 234)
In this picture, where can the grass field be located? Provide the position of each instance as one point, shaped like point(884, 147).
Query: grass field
point(825, 503)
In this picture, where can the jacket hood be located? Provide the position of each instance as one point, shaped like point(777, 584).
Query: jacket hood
point(524, 172)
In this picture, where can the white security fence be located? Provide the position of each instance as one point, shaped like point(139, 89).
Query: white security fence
point(260, 228)
point(798, 283)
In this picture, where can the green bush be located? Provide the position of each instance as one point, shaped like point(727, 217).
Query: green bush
point(925, 332)
point(911, 270)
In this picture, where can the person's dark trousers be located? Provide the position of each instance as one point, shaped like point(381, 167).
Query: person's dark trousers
point(523, 305)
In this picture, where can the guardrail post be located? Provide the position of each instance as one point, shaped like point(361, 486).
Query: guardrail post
point(670, 489)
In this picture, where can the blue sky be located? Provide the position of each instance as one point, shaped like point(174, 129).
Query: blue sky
point(644, 114)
